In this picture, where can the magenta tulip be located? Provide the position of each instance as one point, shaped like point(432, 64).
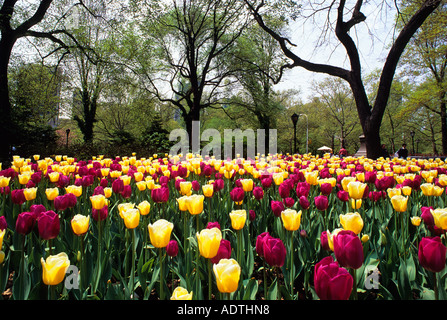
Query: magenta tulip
point(224, 251)
point(17, 196)
point(117, 185)
point(49, 225)
point(3, 223)
point(260, 243)
point(100, 214)
point(25, 222)
point(304, 202)
point(326, 188)
point(172, 248)
point(277, 207)
point(60, 203)
point(348, 249)
point(324, 241)
point(332, 282)
point(237, 194)
point(321, 202)
point(160, 195)
point(258, 193)
point(274, 252)
point(432, 254)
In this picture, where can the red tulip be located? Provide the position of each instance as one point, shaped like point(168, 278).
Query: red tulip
point(343, 195)
point(100, 214)
point(326, 188)
point(321, 202)
point(332, 282)
point(288, 202)
point(432, 254)
point(160, 195)
point(25, 222)
point(3, 223)
point(260, 243)
point(277, 207)
point(17, 196)
point(304, 202)
point(274, 252)
point(224, 251)
point(172, 248)
point(117, 185)
point(60, 203)
point(348, 249)
point(49, 225)
point(212, 224)
point(258, 193)
point(237, 194)
point(284, 190)
point(127, 191)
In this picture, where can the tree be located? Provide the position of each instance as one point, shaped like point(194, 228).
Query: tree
point(192, 38)
point(256, 61)
point(426, 61)
point(15, 25)
point(347, 18)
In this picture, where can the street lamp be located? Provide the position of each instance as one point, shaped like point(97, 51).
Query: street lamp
point(307, 132)
point(67, 132)
point(295, 118)
point(412, 139)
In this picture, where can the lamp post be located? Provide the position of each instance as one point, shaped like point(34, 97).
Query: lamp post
point(295, 118)
point(412, 139)
point(307, 132)
point(67, 132)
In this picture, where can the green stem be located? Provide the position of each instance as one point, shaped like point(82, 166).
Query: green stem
point(161, 274)
point(132, 272)
point(291, 264)
point(354, 286)
point(209, 280)
point(435, 285)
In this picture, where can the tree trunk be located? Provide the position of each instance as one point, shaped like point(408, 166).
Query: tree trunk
point(443, 123)
point(6, 125)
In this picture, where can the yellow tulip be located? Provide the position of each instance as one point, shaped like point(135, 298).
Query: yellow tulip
point(141, 185)
point(4, 181)
point(160, 233)
point(247, 184)
point(356, 189)
point(76, 190)
point(54, 176)
point(278, 178)
point(442, 179)
point(125, 206)
point(438, 191)
point(131, 218)
point(194, 204)
point(51, 193)
point(80, 224)
point(144, 207)
point(209, 242)
point(98, 201)
point(138, 176)
point(440, 217)
point(345, 181)
point(393, 192)
point(311, 177)
point(238, 218)
point(352, 221)
point(208, 190)
point(2, 235)
point(227, 273)
point(54, 268)
point(406, 190)
point(415, 221)
point(185, 188)
point(181, 293)
point(291, 219)
point(182, 203)
point(427, 189)
point(30, 193)
point(108, 192)
point(365, 238)
point(399, 203)
point(24, 178)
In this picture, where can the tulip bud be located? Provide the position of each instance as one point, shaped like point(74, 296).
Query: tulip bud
point(432, 254)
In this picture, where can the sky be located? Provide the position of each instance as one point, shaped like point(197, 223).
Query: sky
point(373, 36)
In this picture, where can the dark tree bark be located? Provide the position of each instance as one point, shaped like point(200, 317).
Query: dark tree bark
point(370, 116)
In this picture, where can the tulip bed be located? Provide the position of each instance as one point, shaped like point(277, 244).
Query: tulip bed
point(277, 227)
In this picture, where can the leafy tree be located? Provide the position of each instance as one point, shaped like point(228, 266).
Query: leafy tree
point(347, 19)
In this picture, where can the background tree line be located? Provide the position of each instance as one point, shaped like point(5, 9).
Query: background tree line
point(121, 76)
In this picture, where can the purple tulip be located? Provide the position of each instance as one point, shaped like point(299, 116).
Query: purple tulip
point(25, 222)
point(274, 252)
point(49, 225)
point(432, 254)
point(321, 202)
point(348, 249)
point(331, 281)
